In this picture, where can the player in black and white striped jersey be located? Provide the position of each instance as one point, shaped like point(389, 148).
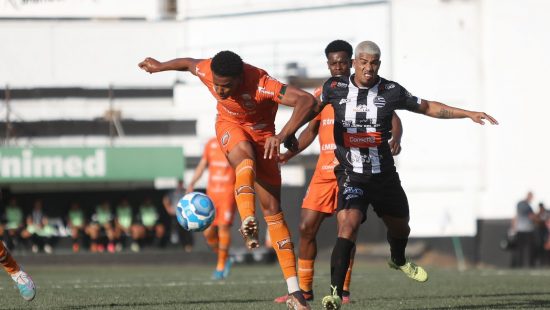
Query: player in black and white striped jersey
point(363, 105)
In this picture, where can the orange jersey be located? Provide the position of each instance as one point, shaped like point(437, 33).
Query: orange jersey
point(221, 176)
point(254, 104)
point(327, 160)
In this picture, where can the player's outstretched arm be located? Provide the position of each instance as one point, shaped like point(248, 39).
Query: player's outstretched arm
point(304, 140)
point(305, 109)
point(396, 134)
point(152, 65)
point(440, 110)
point(199, 170)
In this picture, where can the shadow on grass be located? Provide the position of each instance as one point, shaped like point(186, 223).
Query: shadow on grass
point(131, 305)
point(475, 301)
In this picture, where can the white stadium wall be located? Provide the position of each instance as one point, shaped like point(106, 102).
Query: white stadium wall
point(486, 55)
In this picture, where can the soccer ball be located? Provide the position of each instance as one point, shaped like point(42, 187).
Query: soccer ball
point(195, 211)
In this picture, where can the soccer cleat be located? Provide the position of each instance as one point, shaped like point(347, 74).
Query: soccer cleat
point(218, 275)
point(333, 301)
point(25, 285)
point(308, 296)
point(249, 231)
point(296, 301)
point(227, 267)
point(412, 270)
point(346, 297)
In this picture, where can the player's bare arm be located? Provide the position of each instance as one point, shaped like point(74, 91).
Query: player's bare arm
point(305, 109)
point(152, 65)
point(440, 110)
point(199, 170)
point(396, 134)
point(304, 140)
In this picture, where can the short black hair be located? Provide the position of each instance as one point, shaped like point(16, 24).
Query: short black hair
point(227, 63)
point(339, 46)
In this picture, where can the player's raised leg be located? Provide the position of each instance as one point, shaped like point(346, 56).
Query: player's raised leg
point(24, 283)
point(242, 159)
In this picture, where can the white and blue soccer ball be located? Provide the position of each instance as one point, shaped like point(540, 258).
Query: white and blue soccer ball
point(195, 211)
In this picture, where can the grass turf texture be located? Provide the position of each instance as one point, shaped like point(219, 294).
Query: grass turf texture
point(374, 286)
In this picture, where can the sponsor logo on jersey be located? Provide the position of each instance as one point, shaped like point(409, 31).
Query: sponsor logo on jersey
point(379, 101)
point(327, 122)
point(357, 159)
point(225, 138)
point(344, 100)
point(361, 108)
point(285, 244)
point(199, 72)
point(328, 147)
point(389, 86)
point(363, 139)
point(264, 91)
point(336, 84)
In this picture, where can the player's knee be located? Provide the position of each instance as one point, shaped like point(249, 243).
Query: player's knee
point(307, 233)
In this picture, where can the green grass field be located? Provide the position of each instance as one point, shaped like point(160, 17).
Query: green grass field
point(253, 287)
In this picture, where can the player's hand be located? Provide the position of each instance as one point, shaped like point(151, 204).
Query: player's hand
point(189, 189)
point(395, 146)
point(150, 65)
point(478, 117)
point(272, 147)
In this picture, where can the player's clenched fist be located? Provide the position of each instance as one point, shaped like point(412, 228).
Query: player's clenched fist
point(150, 65)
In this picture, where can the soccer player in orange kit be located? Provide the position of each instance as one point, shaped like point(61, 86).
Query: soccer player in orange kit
point(247, 101)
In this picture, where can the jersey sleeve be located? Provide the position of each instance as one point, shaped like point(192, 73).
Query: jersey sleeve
point(405, 100)
point(202, 69)
point(270, 89)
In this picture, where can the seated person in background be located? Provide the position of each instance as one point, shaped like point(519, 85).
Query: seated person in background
point(124, 226)
point(76, 224)
point(13, 223)
point(102, 226)
point(38, 230)
point(151, 230)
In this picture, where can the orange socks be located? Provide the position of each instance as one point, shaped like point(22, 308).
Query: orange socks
point(347, 281)
point(280, 237)
point(223, 248)
point(305, 274)
point(244, 188)
point(7, 260)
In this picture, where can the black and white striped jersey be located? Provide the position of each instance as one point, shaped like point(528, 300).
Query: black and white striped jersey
point(363, 122)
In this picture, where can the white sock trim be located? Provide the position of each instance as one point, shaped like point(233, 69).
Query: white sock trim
point(292, 284)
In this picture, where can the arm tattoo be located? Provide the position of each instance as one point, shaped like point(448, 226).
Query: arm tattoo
point(444, 113)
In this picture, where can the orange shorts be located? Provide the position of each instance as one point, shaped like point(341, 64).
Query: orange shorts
point(230, 134)
point(225, 208)
point(321, 195)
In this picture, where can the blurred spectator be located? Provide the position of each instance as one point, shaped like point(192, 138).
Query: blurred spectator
point(101, 227)
point(524, 226)
point(541, 235)
point(76, 222)
point(177, 233)
point(13, 223)
point(151, 229)
point(39, 230)
point(124, 226)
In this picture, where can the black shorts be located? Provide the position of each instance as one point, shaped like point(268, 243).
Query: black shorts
point(383, 191)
